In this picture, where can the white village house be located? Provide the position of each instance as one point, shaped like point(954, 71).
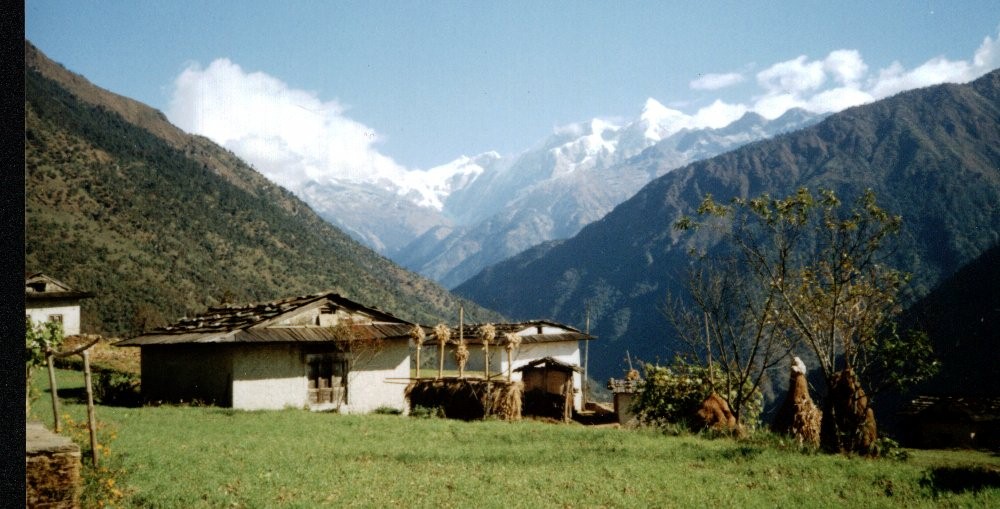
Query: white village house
point(320, 351)
point(540, 339)
point(49, 300)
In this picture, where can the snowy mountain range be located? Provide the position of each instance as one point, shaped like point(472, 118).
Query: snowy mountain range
point(451, 221)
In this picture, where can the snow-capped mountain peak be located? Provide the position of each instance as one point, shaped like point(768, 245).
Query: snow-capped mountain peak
point(659, 121)
point(430, 188)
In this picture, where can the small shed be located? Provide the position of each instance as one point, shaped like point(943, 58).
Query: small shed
point(625, 392)
point(548, 388)
point(47, 299)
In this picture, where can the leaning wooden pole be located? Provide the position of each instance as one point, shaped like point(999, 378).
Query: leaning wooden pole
point(49, 359)
point(91, 420)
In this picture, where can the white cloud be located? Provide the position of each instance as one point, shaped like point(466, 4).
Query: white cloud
point(842, 79)
point(290, 135)
point(846, 66)
point(774, 105)
point(716, 81)
point(792, 76)
point(718, 114)
point(837, 99)
point(895, 78)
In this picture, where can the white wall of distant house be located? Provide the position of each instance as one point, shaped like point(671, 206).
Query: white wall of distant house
point(380, 380)
point(274, 376)
point(70, 316)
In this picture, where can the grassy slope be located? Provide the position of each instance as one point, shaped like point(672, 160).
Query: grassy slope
point(211, 457)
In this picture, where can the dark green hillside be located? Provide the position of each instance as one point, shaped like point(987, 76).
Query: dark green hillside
point(962, 318)
point(931, 155)
point(160, 225)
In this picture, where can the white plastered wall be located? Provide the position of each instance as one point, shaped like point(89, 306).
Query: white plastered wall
point(275, 377)
point(70, 316)
point(379, 381)
point(269, 376)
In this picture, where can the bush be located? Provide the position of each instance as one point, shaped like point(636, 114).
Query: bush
point(118, 389)
point(387, 410)
point(671, 395)
point(424, 412)
point(888, 448)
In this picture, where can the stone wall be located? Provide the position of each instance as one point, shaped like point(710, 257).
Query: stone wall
point(52, 468)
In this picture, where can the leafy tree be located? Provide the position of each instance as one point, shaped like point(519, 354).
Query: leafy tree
point(39, 339)
point(816, 276)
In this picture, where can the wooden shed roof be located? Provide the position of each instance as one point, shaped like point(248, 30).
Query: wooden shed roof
point(550, 363)
point(251, 323)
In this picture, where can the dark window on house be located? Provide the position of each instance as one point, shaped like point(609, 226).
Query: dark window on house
point(56, 318)
point(327, 374)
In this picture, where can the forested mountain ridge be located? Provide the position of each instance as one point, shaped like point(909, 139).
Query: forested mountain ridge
point(159, 224)
point(931, 155)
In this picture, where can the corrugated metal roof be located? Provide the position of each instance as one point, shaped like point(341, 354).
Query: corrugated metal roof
point(249, 323)
point(304, 334)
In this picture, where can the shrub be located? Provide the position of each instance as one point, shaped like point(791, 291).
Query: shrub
point(118, 389)
point(672, 394)
point(424, 412)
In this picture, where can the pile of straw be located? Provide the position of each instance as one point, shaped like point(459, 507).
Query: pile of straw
point(467, 399)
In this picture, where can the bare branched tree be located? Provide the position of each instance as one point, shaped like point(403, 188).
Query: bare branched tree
point(818, 276)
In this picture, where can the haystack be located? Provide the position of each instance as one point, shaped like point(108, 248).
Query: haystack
point(798, 415)
point(468, 398)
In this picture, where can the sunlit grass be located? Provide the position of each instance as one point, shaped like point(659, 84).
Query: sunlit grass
point(212, 457)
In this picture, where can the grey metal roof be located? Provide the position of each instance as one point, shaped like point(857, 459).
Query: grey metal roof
point(248, 324)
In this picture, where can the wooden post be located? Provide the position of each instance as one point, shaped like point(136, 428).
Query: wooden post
point(91, 420)
point(586, 357)
point(708, 347)
point(52, 387)
point(461, 339)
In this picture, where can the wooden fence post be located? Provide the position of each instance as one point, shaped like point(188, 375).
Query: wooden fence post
point(52, 388)
point(91, 420)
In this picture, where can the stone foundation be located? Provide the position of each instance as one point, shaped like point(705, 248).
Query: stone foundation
point(52, 468)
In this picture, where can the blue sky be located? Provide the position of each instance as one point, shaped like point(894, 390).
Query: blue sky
point(417, 84)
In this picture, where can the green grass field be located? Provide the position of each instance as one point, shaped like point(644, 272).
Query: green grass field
point(213, 457)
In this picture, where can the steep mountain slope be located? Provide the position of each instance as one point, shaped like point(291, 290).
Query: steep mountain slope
point(574, 178)
point(932, 155)
point(158, 223)
point(962, 318)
